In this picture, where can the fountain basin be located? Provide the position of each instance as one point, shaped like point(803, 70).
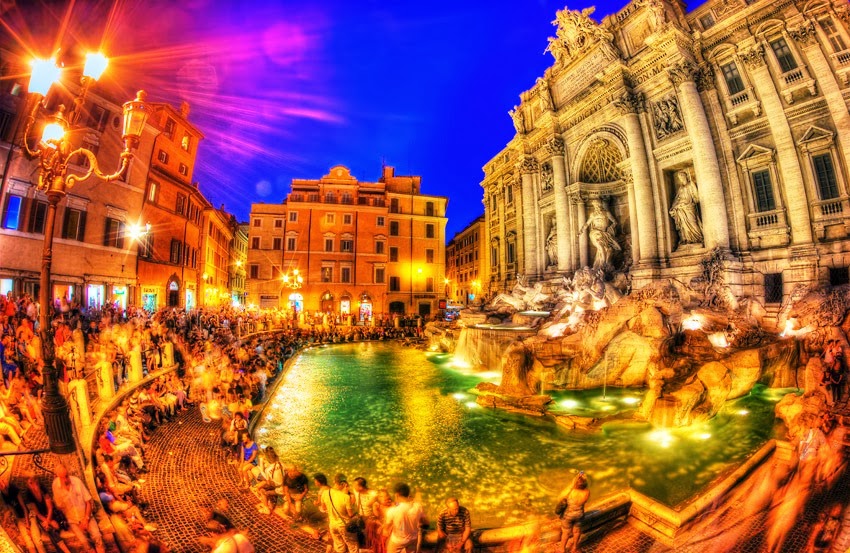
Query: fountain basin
point(387, 413)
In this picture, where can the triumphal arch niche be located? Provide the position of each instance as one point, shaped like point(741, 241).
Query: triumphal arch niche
point(660, 137)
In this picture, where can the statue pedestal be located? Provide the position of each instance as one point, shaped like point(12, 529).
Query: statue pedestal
point(78, 394)
point(135, 374)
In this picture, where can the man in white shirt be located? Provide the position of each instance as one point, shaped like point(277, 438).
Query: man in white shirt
point(337, 502)
point(74, 500)
point(403, 521)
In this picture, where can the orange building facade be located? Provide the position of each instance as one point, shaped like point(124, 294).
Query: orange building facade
point(170, 257)
point(363, 249)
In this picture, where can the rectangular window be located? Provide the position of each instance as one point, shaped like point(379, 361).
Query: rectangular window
point(509, 192)
point(773, 288)
point(329, 244)
point(181, 204)
point(825, 176)
point(12, 214)
point(783, 55)
point(169, 128)
point(254, 271)
point(145, 245)
point(394, 207)
point(255, 243)
point(258, 223)
point(277, 243)
point(346, 219)
point(379, 222)
point(707, 21)
point(429, 231)
point(494, 257)
point(395, 284)
point(113, 235)
point(393, 253)
point(327, 274)
point(278, 223)
point(832, 33)
point(38, 215)
point(74, 225)
point(330, 218)
point(429, 284)
point(511, 252)
point(183, 169)
point(379, 275)
point(429, 256)
point(393, 228)
point(345, 274)
point(429, 209)
point(293, 216)
point(186, 141)
point(346, 245)
point(152, 192)
point(763, 191)
point(733, 78)
point(176, 251)
point(162, 156)
point(379, 246)
point(290, 243)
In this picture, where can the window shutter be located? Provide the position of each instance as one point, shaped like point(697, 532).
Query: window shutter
point(81, 232)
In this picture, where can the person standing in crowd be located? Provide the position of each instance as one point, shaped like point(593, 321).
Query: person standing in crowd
point(338, 503)
point(404, 521)
point(575, 496)
point(454, 527)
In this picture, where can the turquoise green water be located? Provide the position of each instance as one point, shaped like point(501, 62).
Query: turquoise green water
point(389, 413)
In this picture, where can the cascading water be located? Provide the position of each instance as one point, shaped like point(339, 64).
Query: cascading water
point(482, 347)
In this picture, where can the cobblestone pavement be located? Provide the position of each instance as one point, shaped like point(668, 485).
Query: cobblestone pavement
point(188, 471)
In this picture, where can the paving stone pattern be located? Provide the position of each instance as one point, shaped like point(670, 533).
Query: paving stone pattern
point(188, 471)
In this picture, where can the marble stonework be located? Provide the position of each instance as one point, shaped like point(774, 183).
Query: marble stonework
point(754, 115)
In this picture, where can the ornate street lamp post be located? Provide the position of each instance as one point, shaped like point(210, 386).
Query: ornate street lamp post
point(53, 152)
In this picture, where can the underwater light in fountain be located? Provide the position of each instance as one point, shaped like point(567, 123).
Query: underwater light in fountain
point(628, 400)
point(569, 403)
point(661, 437)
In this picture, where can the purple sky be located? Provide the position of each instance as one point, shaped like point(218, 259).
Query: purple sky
point(289, 89)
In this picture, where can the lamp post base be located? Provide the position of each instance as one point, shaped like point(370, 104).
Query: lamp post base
point(57, 415)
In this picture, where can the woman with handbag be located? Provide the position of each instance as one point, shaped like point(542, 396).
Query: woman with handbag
point(572, 501)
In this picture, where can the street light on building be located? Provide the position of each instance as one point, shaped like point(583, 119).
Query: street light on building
point(54, 154)
point(293, 279)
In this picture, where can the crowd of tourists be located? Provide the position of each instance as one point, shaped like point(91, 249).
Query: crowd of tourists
point(218, 372)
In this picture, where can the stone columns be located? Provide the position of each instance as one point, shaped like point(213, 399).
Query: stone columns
point(711, 195)
point(581, 218)
point(645, 242)
point(527, 167)
point(821, 70)
point(791, 176)
point(555, 148)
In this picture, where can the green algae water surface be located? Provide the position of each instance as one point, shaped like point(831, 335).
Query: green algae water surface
point(389, 413)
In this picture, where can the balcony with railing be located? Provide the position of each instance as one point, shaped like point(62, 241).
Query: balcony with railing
point(795, 80)
point(841, 64)
point(768, 229)
point(831, 218)
point(740, 103)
